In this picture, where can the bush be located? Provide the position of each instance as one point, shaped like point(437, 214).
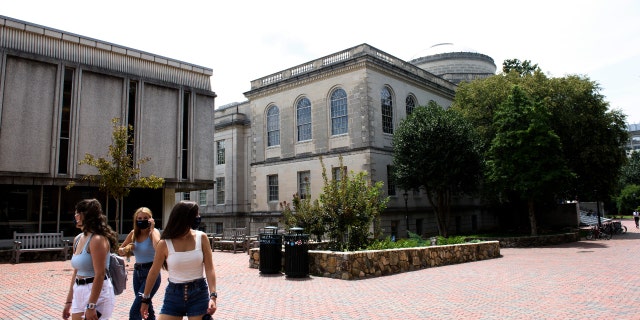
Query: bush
point(413, 241)
point(451, 240)
point(416, 241)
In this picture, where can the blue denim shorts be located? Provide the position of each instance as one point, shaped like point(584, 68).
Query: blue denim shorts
point(186, 299)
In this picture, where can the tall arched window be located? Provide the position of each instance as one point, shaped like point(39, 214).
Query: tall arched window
point(273, 126)
point(387, 110)
point(303, 116)
point(410, 103)
point(339, 123)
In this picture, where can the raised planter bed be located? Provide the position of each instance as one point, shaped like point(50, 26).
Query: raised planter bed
point(376, 263)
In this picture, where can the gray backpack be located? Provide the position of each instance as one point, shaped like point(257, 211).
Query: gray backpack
point(117, 273)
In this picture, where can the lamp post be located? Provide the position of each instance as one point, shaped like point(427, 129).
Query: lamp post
point(405, 195)
point(598, 209)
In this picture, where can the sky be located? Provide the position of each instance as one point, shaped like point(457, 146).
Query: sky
point(243, 40)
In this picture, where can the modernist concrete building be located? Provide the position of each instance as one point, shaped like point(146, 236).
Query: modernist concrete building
point(58, 94)
point(346, 104)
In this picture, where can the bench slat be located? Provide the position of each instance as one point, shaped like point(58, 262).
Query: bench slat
point(233, 238)
point(31, 242)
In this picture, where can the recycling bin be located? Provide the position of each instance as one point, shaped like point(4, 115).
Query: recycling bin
point(270, 250)
point(296, 253)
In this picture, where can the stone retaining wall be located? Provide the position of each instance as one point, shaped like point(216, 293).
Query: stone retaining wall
point(534, 241)
point(375, 263)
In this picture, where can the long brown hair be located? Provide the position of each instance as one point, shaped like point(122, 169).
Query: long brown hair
point(180, 219)
point(96, 222)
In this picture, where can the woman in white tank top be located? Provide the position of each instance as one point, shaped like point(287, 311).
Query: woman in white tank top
point(186, 254)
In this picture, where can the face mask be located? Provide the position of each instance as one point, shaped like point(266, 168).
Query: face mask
point(142, 224)
point(196, 223)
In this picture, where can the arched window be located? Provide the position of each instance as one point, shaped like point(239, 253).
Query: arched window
point(387, 110)
point(303, 115)
point(410, 103)
point(339, 123)
point(273, 126)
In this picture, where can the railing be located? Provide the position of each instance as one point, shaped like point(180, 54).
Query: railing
point(345, 55)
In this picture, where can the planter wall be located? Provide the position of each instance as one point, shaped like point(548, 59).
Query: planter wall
point(375, 263)
point(534, 241)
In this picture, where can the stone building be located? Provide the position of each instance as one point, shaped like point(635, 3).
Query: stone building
point(58, 94)
point(455, 63)
point(344, 104)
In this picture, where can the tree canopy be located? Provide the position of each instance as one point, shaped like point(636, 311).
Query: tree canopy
point(520, 67)
point(436, 150)
point(592, 136)
point(525, 156)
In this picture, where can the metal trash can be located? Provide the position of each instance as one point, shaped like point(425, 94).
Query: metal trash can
point(296, 253)
point(270, 250)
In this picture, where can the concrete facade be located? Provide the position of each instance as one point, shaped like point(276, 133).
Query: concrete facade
point(58, 94)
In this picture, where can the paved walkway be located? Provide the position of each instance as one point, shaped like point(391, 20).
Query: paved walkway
point(595, 279)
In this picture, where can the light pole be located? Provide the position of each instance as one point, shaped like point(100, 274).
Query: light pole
point(405, 195)
point(598, 209)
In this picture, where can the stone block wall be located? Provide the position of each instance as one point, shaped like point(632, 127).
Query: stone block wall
point(535, 241)
point(375, 263)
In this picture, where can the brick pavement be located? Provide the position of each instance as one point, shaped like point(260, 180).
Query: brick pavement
point(595, 279)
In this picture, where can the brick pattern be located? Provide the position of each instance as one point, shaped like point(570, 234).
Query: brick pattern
point(580, 280)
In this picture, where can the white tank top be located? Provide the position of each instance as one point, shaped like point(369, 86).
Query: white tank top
point(186, 266)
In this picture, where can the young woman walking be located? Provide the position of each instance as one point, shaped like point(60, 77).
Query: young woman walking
point(186, 254)
point(142, 241)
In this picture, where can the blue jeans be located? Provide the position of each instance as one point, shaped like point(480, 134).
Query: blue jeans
point(140, 272)
point(186, 299)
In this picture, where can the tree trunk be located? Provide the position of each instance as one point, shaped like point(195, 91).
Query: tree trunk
point(532, 218)
point(118, 215)
point(441, 210)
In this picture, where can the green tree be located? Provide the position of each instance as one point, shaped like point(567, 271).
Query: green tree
point(629, 183)
point(630, 172)
point(520, 67)
point(118, 173)
point(525, 156)
point(592, 136)
point(348, 210)
point(437, 150)
point(628, 199)
point(304, 213)
point(351, 208)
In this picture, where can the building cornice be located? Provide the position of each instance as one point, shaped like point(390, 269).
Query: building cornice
point(21, 36)
point(344, 61)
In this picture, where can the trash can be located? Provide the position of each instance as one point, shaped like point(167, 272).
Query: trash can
point(270, 250)
point(296, 253)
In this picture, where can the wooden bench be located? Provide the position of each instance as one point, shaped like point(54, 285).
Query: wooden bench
point(34, 242)
point(231, 239)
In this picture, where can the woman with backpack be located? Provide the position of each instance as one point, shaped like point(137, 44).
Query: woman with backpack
point(141, 241)
point(91, 295)
point(186, 254)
